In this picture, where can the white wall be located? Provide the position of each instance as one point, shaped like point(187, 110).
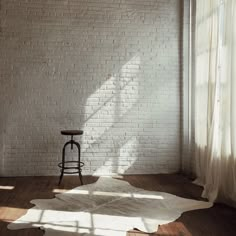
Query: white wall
point(110, 68)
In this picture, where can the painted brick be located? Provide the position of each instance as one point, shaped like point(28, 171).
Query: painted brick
point(108, 67)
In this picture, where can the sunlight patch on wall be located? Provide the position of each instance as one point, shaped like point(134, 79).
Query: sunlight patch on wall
point(129, 82)
point(109, 102)
point(107, 112)
point(127, 155)
point(100, 106)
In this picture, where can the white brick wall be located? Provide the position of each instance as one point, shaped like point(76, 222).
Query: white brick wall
point(108, 67)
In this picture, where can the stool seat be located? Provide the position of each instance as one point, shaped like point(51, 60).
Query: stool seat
point(72, 132)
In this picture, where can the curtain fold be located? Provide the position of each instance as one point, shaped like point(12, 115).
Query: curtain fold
point(215, 101)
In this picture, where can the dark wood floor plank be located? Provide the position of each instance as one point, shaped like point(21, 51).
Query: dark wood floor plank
point(219, 220)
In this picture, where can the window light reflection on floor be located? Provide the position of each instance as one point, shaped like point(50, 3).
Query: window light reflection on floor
point(115, 194)
point(6, 187)
point(56, 190)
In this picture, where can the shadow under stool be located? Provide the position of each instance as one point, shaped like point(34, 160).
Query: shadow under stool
point(66, 166)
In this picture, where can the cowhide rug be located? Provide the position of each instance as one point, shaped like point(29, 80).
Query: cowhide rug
point(108, 207)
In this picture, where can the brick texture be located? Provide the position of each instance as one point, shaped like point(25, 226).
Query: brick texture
point(108, 67)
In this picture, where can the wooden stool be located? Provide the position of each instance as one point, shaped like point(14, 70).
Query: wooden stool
point(64, 164)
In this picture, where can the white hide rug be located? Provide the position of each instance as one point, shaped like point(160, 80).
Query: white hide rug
point(108, 207)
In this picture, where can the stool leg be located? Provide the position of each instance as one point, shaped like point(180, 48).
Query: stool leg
point(79, 169)
point(80, 174)
point(63, 164)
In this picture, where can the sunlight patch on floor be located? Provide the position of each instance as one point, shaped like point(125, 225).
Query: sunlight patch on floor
point(6, 187)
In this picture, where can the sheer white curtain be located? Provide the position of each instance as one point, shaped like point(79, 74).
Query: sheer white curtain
point(215, 101)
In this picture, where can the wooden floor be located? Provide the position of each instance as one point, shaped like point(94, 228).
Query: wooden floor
point(219, 220)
